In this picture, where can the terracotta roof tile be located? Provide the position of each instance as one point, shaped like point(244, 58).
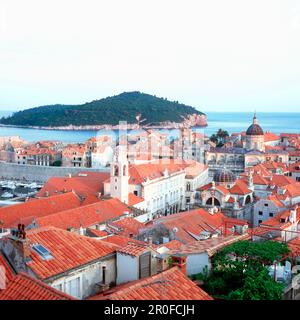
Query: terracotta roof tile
point(133, 249)
point(121, 241)
point(133, 199)
point(85, 216)
point(171, 284)
point(25, 287)
point(190, 224)
point(69, 250)
point(126, 226)
point(240, 187)
point(84, 184)
point(30, 210)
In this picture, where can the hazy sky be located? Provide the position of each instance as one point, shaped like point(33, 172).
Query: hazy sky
point(233, 55)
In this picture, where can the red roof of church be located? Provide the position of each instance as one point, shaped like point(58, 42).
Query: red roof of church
point(240, 187)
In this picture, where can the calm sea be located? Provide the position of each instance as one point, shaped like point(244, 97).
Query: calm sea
point(230, 121)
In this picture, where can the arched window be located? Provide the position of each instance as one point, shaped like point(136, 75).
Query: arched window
point(248, 199)
point(116, 173)
point(188, 187)
point(216, 202)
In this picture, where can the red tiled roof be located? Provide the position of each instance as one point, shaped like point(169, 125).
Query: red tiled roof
point(28, 211)
point(240, 187)
point(222, 189)
point(210, 245)
point(294, 153)
point(205, 187)
point(121, 241)
point(126, 226)
point(85, 216)
point(25, 287)
point(294, 167)
point(84, 184)
point(171, 245)
point(133, 249)
point(281, 180)
point(269, 136)
point(171, 284)
point(133, 199)
point(275, 222)
point(98, 233)
point(190, 224)
point(139, 173)
point(274, 198)
point(69, 250)
point(294, 246)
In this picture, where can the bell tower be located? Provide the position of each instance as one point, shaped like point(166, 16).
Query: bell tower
point(119, 175)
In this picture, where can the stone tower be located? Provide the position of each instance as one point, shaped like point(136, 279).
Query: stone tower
point(119, 175)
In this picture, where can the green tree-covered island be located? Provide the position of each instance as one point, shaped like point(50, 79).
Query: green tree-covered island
point(108, 111)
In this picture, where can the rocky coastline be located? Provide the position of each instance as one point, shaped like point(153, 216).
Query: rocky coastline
point(193, 121)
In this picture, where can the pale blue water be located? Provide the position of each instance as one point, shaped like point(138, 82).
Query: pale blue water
point(231, 121)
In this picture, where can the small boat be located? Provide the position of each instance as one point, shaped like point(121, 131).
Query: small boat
point(7, 195)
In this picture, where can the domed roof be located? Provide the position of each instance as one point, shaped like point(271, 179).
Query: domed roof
point(224, 175)
point(255, 129)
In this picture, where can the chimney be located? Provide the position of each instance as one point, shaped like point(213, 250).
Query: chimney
point(150, 241)
point(179, 262)
point(99, 195)
point(70, 175)
point(47, 194)
point(21, 242)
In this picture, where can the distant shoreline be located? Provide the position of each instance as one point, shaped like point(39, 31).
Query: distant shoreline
point(172, 125)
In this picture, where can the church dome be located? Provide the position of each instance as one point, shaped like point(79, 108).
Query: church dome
point(224, 175)
point(255, 129)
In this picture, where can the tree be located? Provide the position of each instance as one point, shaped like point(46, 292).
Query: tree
point(240, 271)
point(219, 137)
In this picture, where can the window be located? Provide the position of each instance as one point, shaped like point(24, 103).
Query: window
point(73, 287)
point(42, 251)
point(103, 274)
point(271, 214)
point(266, 205)
point(259, 221)
point(58, 287)
point(135, 192)
point(260, 213)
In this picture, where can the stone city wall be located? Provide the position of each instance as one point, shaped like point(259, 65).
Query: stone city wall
point(13, 171)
